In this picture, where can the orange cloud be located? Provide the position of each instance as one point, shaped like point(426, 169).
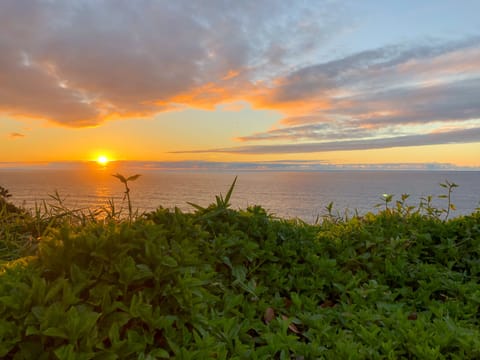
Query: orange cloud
point(16, 135)
point(231, 74)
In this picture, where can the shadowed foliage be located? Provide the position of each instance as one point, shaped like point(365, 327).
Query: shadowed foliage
point(240, 284)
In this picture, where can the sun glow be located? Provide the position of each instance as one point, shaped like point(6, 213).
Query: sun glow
point(102, 160)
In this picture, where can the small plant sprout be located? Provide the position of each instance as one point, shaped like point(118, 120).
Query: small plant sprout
point(4, 193)
point(125, 181)
point(402, 207)
point(387, 198)
point(449, 186)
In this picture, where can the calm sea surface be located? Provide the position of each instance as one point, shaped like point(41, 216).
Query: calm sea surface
point(286, 194)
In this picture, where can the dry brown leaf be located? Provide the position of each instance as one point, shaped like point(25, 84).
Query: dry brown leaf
point(287, 302)
point(327, 303)
point(413, 316)
point(291, 326)
point(269, 315)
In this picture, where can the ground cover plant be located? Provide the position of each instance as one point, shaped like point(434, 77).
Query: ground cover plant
point(220, 283)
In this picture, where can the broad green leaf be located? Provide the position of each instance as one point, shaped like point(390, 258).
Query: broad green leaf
point(66, 352)
point(55, 332)
point(79, 322)
point(32, 330)
point(168, 261)
point(54, 290)
point(160, 353)
point(133, 177)
point(120, 177)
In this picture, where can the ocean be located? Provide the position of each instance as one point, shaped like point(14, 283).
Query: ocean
point(303, 195)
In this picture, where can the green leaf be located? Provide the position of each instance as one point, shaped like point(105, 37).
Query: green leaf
point(32, 330)
point(31, 350)
point(114, 333)
point(120, 177)
point(66, 352)
point(197, 207)
point(38, 312)
point(143, 272)
point(80, 320)
point(239, 272)
point(54, 290)
point(139, 308)
point(55, 332)
point(133, 177)
point(230, 191)
point(9, 301)
point(126, 268)
point(160, 353)
point(168, 261)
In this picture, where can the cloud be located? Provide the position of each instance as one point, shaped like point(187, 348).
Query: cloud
point(369, 71)
point(455, 100)
point(322, 131)
point(384, 112)
point(80, 62)
point(16, 135)
point(436, 138)
point(396, 90)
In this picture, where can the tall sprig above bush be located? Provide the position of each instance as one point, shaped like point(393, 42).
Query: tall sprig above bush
point(450, 206)
point(125, 181)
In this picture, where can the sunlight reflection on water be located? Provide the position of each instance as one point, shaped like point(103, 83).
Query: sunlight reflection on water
point(286, 194)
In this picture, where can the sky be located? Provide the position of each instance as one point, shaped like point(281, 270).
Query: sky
point(313, 83)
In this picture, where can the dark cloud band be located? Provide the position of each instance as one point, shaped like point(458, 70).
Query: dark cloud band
point(451, 137)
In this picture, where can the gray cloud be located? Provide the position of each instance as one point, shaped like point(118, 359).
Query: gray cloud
point(456, 100)
point(374, 67)
point(379, 93)
point(318, 132)
point(447, 137)
point(384, 112)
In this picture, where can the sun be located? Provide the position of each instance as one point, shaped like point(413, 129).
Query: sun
point(102, 160)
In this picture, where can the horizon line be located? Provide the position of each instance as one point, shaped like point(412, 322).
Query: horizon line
point(203, 165)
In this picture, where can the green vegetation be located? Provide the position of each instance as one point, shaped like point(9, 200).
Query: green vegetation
point(239, 284)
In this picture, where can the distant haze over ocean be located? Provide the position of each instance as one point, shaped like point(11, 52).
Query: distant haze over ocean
point(200, 165)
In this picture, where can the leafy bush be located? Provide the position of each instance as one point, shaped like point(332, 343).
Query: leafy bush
point(240, 284)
